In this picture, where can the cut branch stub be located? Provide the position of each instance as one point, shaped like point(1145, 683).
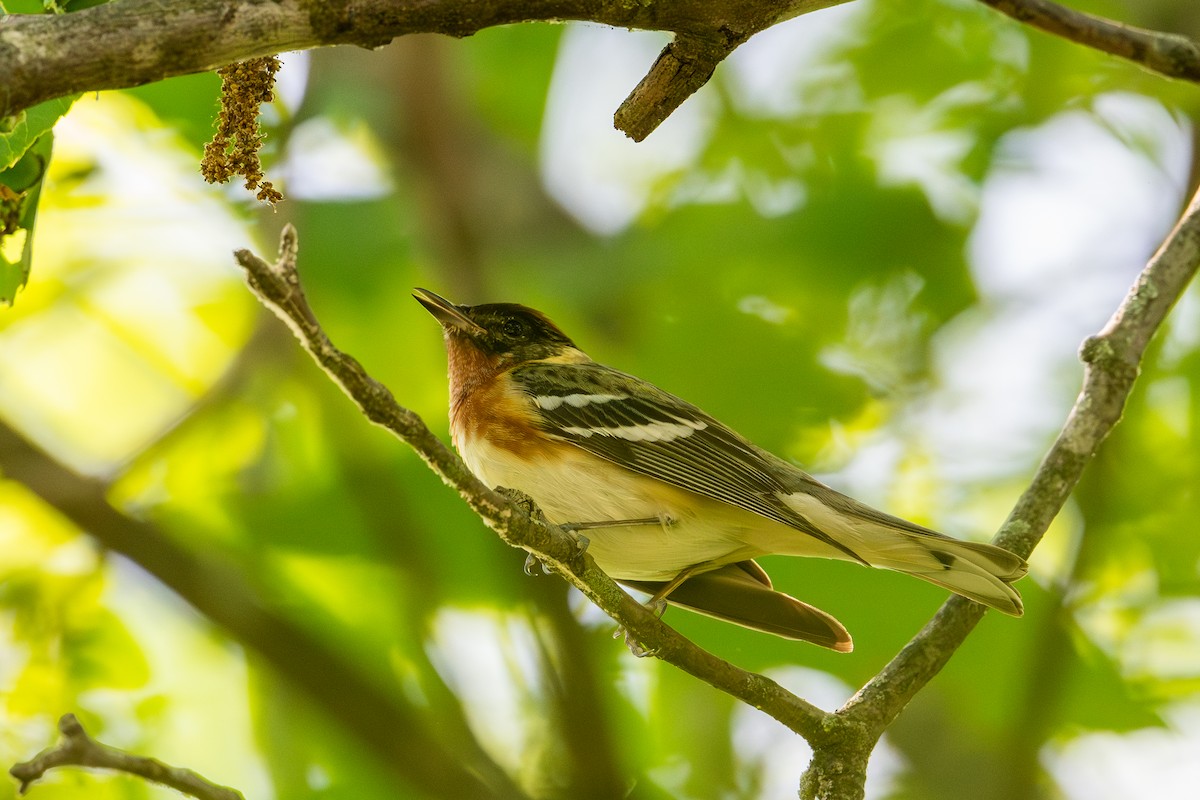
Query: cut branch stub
point(681, 69)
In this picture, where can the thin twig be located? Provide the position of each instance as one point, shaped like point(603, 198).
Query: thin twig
point(77, 749)
point(278, 288)
point(1170, 54)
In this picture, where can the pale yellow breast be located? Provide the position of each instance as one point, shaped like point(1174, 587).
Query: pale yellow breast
point(571, 485)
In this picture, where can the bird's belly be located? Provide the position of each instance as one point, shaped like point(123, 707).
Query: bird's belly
point(572, 487)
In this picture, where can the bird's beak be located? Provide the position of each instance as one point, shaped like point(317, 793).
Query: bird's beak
point(448, 314)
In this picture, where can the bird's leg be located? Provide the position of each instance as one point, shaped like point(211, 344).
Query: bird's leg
point(663, 520)
point(658, 601)
point(574, 528)
point(656, 605)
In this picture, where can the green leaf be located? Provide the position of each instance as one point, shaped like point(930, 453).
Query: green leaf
point(20, 187)
point(19, 133)
point(25, 144)
point(47, 6)
point(23, 7)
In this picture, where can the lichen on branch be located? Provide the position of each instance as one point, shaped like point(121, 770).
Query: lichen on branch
point(245, 86)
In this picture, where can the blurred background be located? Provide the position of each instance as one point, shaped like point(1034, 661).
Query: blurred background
point(872, 244)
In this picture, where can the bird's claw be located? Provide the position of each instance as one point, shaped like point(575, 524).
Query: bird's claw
point(532, 562)
point(656, 606)
point(533, 565)
point(638, 649)
point(581, 542)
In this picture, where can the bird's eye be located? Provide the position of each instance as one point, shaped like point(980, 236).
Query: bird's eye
point(512, 328)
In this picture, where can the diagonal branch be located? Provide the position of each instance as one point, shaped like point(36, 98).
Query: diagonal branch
point(1170, 54)
point(77, 749)
point(278, 287)
point(1112, 359)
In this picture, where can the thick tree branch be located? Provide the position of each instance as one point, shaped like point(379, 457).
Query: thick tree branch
point(1112, 359)
point(131, 42)
point(77, 749)
point(1171, 54)
point(277, 287)
point(385, 726)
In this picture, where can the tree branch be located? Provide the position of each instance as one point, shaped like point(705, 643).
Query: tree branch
point(131, 42)
point(394, 732)
point(1170, 54)
point(278, 288)
point(1111, 362)
point(681, 68)
point(77, 749)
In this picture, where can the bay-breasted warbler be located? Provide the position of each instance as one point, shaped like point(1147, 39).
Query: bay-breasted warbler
point(673, 502)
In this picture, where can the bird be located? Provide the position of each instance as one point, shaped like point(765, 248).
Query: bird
point(671, 501)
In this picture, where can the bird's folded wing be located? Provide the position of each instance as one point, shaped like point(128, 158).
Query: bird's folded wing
point(635, 424)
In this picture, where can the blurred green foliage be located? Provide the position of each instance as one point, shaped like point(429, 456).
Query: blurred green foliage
point(798, 278)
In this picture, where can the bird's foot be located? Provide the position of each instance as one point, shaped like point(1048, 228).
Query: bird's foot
point(656, 606)
point(523, 502)
point(533, 565)
point(638, 649)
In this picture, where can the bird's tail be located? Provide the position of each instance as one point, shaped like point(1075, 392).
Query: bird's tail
point(741, 593)
point(982, 572)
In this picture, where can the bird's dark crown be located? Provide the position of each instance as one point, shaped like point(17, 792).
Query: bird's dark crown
point(517, 331)
point(505, 334)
